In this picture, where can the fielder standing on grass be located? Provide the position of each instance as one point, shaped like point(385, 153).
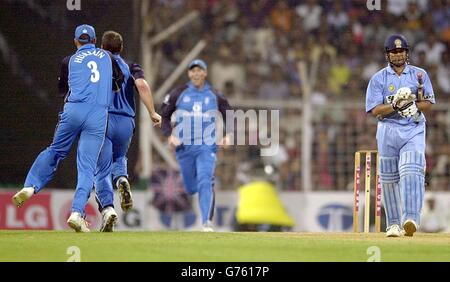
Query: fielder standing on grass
point(196, 105)
point(398, 95)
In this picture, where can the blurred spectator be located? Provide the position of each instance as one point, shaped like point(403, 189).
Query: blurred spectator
point(256, 11)
point(413, 17)
point(281, 16)
point(339, 76)
point(369, 66)
point(433, 49)
point(310, 14)
point(440, 11)
point(432, 220)
point(274, 87)
point(338, 18)
point(421, 59)
point(443, 74)
point(397, 7)
point(321, 47)
point(231, 92)
point(224, 69)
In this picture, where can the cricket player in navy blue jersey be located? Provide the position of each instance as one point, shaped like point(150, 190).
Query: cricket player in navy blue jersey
point(112, 164)
point(85, 115)
point(398, 95)
point(196, 105)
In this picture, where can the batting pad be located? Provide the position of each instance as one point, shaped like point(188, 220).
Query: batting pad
point(412, 184)
point(392, 201)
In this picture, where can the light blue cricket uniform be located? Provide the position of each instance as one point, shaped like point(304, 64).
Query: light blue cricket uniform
point(401, 145)
point(113, 157)
point(195, 113)
point(85, 115)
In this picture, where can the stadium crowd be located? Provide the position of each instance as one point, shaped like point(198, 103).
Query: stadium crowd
point(252, 52)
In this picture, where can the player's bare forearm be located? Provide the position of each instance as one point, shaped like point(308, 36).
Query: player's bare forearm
point(382, 110)
point(145, 94)
point(424, 106)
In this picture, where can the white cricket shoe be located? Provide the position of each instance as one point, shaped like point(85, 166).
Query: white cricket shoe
point(410, 227)
point(109, 219)
point(77, 223)
point(126, 201)
point(22, 196)
point(393, 231)
point(207, 227)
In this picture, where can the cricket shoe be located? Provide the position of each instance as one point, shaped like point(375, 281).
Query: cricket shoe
point(109, 219)
point(22, 196)
point(410, 227)
point(126, 201)
point(207, 227)
point(393, 231)
point(78, 223)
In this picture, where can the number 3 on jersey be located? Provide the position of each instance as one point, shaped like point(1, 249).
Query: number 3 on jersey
point(95, 75)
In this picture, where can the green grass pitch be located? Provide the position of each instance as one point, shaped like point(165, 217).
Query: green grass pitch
point(220, 246)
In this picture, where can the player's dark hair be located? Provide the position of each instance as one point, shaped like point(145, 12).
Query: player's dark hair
point(112, 41)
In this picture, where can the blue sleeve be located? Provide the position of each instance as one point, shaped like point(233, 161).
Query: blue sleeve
point(374, 93)
point(428, 92)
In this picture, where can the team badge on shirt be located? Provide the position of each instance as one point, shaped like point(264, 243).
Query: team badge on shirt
point(197, 107)
point(391, 88)
point(186, 99)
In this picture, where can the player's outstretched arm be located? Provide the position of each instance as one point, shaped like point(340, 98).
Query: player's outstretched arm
point(146, 96)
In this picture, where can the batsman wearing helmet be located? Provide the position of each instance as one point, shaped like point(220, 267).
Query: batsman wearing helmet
point(398, 95)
